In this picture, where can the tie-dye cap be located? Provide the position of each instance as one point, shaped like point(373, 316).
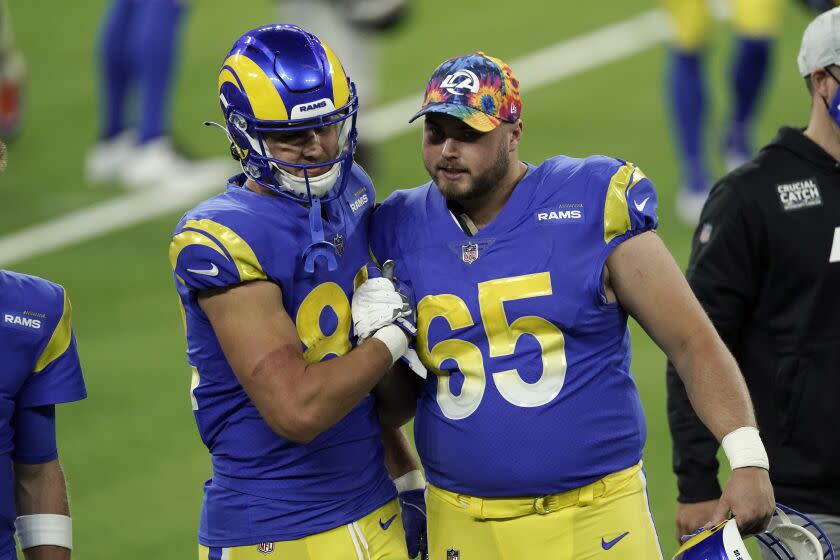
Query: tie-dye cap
point(478, 89)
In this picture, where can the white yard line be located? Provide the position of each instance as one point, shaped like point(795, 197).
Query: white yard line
point(602, 46)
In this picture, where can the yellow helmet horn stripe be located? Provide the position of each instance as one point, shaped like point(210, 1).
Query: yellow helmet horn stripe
point(247, 76)
point(341, 90)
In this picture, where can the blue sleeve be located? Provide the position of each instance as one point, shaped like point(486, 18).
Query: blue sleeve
point(207, 254)
point(383, 232)
point(35, 435)
point(59, 382)
point(57, 374)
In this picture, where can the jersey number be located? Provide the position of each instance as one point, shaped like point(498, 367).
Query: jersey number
point(501, 336)
point(308, 322)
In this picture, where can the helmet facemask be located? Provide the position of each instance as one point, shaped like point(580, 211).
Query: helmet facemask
point(248, 136)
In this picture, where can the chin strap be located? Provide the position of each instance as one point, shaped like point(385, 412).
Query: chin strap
point(304, 186)
point(319, 246)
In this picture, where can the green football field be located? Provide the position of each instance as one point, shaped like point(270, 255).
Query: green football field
point(133, 459)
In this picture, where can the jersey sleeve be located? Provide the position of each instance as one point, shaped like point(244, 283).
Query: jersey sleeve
point(206, 254)
point(630, 202)
point(35, 435)
point(384, 232)
point(57, 374)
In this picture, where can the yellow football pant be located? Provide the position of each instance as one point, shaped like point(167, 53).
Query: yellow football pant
point(692, 20)
point(365, 539)
point(608, 519)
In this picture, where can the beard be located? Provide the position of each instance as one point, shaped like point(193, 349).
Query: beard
point(476, 186)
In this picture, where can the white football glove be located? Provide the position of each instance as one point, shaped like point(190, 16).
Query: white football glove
point(377, 304)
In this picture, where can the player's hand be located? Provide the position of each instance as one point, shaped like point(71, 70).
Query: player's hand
point(378, 303)
point(407, 322)
point(691, 517)
point(413, 505)
point(749, 497)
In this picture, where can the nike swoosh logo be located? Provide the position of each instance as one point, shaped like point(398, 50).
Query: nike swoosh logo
point(641, 207)
point(212, 271)
point(387, 523)
point(606, 545)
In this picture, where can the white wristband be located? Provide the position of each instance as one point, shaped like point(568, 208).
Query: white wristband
point(743, 448)
point(44, 529)
point(412, 480)
point(394, 338)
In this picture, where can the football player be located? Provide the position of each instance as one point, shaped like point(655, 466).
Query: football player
point(40, 369)
point(755, 25)
point(531, 429)
point(265, 273)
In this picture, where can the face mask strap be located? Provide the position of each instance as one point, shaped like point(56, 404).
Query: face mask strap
point(833, 107)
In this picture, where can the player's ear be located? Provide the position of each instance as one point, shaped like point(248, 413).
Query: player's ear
point(821, 82)
point(515, 135)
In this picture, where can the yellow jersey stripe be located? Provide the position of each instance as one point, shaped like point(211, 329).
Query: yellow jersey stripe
point(246, 261)
point(60, 339)
point(360, 277)
point(616, 211)
point(373, 258)
point(187, 238)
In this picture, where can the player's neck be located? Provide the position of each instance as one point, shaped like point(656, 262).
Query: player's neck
point(250, 184)
point(825, 133)
point(484, 210)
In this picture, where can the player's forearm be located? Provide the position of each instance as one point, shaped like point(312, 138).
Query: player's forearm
point(303, 402)
point(714, 383)
point(396, 395)
point(47, 553)
point(336, 386)
point(41, 489)
point(694, 447)
point(399, 459)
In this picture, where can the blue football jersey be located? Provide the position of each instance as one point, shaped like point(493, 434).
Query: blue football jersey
point(40, 366)
point(265, 488)
point(532, 393)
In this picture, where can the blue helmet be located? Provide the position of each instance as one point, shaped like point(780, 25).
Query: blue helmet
point(790, 536)
point(279, 79)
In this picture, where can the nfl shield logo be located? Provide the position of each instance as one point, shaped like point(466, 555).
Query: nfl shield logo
point(469, 254)
point(453, 554)
point(338, 241)
point(705, 233)
point(265, 548)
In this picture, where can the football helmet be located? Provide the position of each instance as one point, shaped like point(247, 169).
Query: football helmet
point(790, 536)
point(281, 79)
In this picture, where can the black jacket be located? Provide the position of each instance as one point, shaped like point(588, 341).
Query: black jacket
point(765, 264)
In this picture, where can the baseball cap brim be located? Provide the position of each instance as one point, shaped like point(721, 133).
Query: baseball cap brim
point(478, 120)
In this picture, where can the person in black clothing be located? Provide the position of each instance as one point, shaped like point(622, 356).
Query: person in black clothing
point(765, 264)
